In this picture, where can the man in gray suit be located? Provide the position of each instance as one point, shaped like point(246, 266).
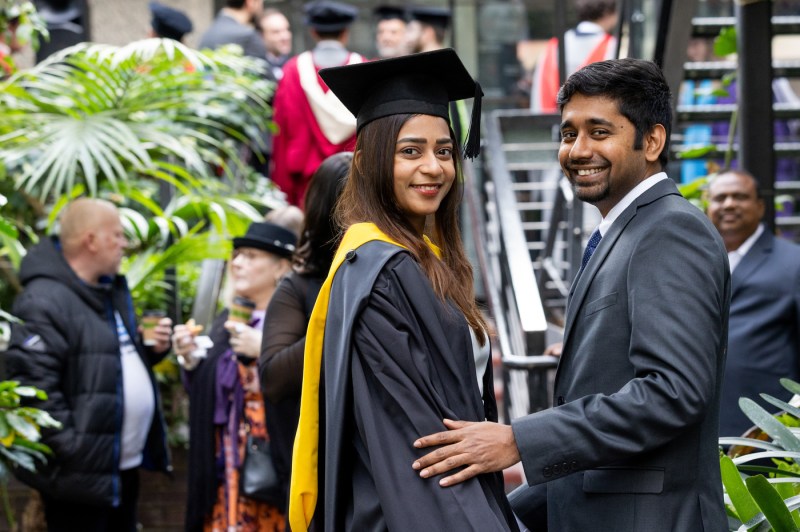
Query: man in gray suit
point(235, 24)
point(631, 444)
point(764, 332)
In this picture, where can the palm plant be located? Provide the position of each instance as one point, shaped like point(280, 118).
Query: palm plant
point(97, 113)
point(126, 123)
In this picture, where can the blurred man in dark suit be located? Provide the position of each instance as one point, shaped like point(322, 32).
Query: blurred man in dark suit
point(764, 332)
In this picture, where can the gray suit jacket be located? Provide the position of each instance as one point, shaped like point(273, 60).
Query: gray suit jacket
point(632, 444)
point(226, 30)
point(764, 334)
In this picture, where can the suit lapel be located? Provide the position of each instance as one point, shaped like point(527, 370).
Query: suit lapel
point(580, 286)
point(752, 260)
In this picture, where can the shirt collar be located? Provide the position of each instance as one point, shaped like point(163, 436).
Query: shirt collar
point(587, 27)
point(629, 198)
point(747, 244)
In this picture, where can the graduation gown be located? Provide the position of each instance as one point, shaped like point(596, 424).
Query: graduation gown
point(396, 360)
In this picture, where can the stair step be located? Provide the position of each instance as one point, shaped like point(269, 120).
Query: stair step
point(716, 69)
point(722, 111)
point(781, 149)
point(711, 26)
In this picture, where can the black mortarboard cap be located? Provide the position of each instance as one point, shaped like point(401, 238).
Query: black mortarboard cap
point(422, 83)
point(390, 13)
point(435, 16)
point(168, 22)
point(327, 16)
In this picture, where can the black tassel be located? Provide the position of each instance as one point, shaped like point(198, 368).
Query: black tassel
point(473, 146)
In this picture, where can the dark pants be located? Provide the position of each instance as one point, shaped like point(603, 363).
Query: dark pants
point(65, 516)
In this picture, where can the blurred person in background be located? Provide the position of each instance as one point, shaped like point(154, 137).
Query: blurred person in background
point(312, 122)
point(235, 24)
point(78, 341)
point(764, 331)
point(225, 401)
point(168, 23)
point(390, 31)
point(288, 216)
point(284, 338)
point(278, 39)
point(588, 42)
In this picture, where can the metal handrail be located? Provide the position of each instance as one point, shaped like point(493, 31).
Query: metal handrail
point(526, 298)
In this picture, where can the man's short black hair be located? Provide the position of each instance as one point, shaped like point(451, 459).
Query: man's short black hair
point(593, 10)
point(638, 87)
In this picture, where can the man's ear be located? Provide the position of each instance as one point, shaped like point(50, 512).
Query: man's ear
point(90, 241)
point(654, 141)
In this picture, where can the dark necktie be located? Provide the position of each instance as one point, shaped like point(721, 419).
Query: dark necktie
point(591, 245)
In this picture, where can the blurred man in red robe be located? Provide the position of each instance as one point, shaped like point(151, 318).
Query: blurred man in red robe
point(312, 122)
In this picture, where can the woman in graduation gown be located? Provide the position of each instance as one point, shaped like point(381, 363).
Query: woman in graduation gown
point(396, 342)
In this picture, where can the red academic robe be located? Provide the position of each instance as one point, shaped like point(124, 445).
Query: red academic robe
point(300, 145)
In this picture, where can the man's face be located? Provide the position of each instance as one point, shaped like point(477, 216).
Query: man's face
point(255, 7)
point(110, 244)
point(277, 35)
point(734, 206)
point(414, 36)
point(597, 153)
point(390, 38)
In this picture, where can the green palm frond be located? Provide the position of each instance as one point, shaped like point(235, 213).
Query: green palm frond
point(95, 113)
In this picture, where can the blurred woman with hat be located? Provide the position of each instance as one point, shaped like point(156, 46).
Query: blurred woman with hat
point(225, 400)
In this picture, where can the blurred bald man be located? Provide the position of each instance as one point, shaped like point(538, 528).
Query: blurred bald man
point(78, 341)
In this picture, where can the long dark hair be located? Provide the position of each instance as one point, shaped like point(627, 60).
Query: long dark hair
point(368, 196)
point(319, 237)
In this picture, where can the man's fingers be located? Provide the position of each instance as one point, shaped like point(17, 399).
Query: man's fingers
point(461, 476)
point(443, 465)
point(443, 438)
point(450, 424)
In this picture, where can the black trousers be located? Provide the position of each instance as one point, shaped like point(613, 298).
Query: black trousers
point(65, 516)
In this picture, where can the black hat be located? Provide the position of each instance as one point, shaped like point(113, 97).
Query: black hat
point(267, 237)
point(168, 22)
point(390, 13)
point(328, 16)
point(417, 84)
point(435, 16)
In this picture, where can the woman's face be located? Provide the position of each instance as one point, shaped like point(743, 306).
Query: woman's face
point(424, 169)
point(255, 273)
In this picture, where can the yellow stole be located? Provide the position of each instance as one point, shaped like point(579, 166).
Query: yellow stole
point(305, 460)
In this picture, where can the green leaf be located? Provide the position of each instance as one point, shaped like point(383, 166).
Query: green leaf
point(4, 427)
point(7, 228)
point(26, 391)
point(694, 153)
point(22, 426)
point(771, 503)
point(725, 42)
point(766, 422)
point(783, 405)
point(743, 503)
point(790, 385)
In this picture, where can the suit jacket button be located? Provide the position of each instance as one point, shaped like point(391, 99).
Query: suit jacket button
point(557, 469)
point(574, 465)
point(350, 256)
point(560, 400)
point(546, 472)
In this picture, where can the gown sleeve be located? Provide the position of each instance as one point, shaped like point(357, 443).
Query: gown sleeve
point(402, 384)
